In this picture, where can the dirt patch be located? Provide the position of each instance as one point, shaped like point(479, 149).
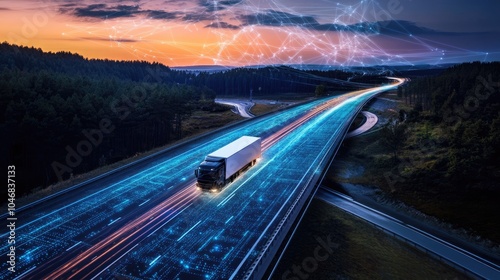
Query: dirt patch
point(260, 109)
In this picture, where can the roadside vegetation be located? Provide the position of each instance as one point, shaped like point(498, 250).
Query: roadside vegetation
point(439, 152)
point(261, 109)
point(362, 251)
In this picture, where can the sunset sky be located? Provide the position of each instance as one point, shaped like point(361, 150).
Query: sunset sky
point(251, 32)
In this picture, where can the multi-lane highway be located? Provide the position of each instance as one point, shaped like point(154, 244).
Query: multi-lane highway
point(149, 221)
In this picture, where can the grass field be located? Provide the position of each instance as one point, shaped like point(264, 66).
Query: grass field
point(260, 109)
point(362, 251)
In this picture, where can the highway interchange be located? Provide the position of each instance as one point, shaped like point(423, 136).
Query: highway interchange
point(149, 221)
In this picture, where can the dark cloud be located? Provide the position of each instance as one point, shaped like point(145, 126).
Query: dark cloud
point(4, 9)
point(197, 17)
point(230, 2)
point(120, 40)
point(157, 14)
point(96, 6)
point(223, 25)
point(390, 27)
point(175, 2)
point(101, 39)
point(403, 27)
point(213, 6)
point(277, 18)
point(104, 12)
point(68, 5)
point(267, 18)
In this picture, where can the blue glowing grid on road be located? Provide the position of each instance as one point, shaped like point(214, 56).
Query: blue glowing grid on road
point(54, 231)
point(219, 218)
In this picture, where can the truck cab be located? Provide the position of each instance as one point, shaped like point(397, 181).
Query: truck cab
point(211, 173)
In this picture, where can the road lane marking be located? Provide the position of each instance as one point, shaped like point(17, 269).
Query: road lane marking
point(112, 222)
point(153, 261)
point(114, 262)
point(189, 230)
point(26, 272)
point(144, 202)
point(73, 246)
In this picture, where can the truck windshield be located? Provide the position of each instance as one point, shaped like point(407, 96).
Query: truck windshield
point(206, 173)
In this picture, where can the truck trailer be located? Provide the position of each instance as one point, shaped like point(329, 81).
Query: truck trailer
point(225, 164)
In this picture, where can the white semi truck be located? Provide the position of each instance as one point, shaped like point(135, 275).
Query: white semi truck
point(225, 164)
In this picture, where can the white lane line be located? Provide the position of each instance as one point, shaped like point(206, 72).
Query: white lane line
point(229, 220)
point(173, 217)
point(73, 246)
point(225, 200)
point(182, 236)
point(145, 202)
point(113, 262)
point(153, 261)
point(112, 222)
point(26, 272)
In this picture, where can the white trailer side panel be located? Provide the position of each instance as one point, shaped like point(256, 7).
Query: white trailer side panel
point(239, 153)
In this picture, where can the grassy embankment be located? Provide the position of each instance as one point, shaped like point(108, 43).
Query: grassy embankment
point(417, 177)
point(363, 252)
point(260, 109)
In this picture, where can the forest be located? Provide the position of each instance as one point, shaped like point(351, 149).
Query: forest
point(456, 123)
point(62, 114)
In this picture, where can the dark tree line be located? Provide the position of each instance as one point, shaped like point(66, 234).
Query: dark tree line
point(62, 114)
point(58, 120)
point(465, 102)
point(238, 81)
point(281, 79)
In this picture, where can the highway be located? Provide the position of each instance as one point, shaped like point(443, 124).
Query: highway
point(242, 107)
point(149, 220)
point(371, 121)
point(476, 265)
